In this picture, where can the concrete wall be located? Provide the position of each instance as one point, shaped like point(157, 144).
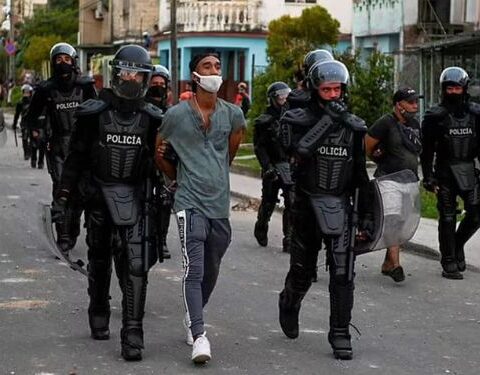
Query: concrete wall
point(92, 31)
point(339, 9)
point(272, 9)
point(132, 17)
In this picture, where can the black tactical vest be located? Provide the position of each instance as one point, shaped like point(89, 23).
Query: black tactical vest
point(64, 106)
point(330, 170)
point(119, 152)
point(459, 138)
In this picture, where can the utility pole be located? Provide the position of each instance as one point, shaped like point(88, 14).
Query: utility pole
point(173, 50)
point(11, 36)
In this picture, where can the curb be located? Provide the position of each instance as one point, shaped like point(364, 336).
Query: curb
point(409, 247)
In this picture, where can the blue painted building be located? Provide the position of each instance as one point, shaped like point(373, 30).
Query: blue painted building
point(236, 29)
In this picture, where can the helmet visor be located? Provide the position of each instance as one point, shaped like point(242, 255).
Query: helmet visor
point(130, 82)
point(328, 71)
point(454, 76)
point(282, 93)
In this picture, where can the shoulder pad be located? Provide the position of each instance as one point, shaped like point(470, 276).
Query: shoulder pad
point(152, 111)
point(436, 111)
point(91, 107)
point(299, 116)
point(474, 108)
point(85, 80)
point(298, 98)
point(264, 119)
point(354, 122)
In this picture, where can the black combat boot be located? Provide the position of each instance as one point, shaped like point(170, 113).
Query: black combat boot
point(286, 244)
point(260, 233)
point(261, 226)
point(340, 340)
point(447, 240)
point(341, 304)
point(132, 340)
point(460, 256)
point(289, 308)
point(166, 252)
point(134, 293)
point(98, 290)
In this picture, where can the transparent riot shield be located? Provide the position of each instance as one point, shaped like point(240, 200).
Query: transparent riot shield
point(396, 211)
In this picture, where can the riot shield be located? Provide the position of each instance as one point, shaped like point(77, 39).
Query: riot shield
point(48, 230)
point(396, 214)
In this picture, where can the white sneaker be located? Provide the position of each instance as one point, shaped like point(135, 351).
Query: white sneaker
point(201, 349)
point(189, 337)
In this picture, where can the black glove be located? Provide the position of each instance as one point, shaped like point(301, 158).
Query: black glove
point(270, 174)
point(59, 206)
point(430, 184)
point(336, 108)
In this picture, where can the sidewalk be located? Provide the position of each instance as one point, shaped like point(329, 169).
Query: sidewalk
point(424, 242)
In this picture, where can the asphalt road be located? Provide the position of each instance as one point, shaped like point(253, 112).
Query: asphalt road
point(425, 325)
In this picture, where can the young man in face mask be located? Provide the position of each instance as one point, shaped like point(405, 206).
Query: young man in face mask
point(204, 133)
point(393, 142)
point(451, 143)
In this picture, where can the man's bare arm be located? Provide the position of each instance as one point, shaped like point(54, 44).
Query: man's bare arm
point(163, 164)
point(234, 142)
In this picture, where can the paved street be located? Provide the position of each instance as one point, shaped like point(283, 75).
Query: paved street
point(425, 325)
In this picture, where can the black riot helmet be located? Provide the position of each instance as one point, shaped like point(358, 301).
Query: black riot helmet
point(328, 71)
point(454, 76)
point(277, 93)
point(314, 57)
point(161, 71)
point(63, 69)
point(131, 72)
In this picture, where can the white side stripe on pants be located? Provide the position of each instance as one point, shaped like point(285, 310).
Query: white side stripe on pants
point(182, 233)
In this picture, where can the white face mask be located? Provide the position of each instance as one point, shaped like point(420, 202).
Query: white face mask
point(209, 83)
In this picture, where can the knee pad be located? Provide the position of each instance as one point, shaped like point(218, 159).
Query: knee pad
point(301, 276)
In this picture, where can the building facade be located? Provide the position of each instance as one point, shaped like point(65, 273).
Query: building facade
point(104, 25)
point(237, 30)
point(419, 34)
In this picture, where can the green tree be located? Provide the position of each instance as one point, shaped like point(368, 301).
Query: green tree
point(63, 4)
point(39, 50)
point(371, 88)
point(44, 29)
point(289, 39)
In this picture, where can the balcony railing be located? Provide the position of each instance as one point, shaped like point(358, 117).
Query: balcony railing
point(211, 15)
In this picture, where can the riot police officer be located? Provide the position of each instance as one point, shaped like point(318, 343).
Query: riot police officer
point(158, 90)
point(451, 140)
point(57, 98)
point(327, 143)
point(272, 159)
point(20, 111)
point(300, 96)
point(164, 189)
point(114, 139)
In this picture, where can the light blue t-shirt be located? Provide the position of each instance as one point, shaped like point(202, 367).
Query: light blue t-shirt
point(203, 166)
